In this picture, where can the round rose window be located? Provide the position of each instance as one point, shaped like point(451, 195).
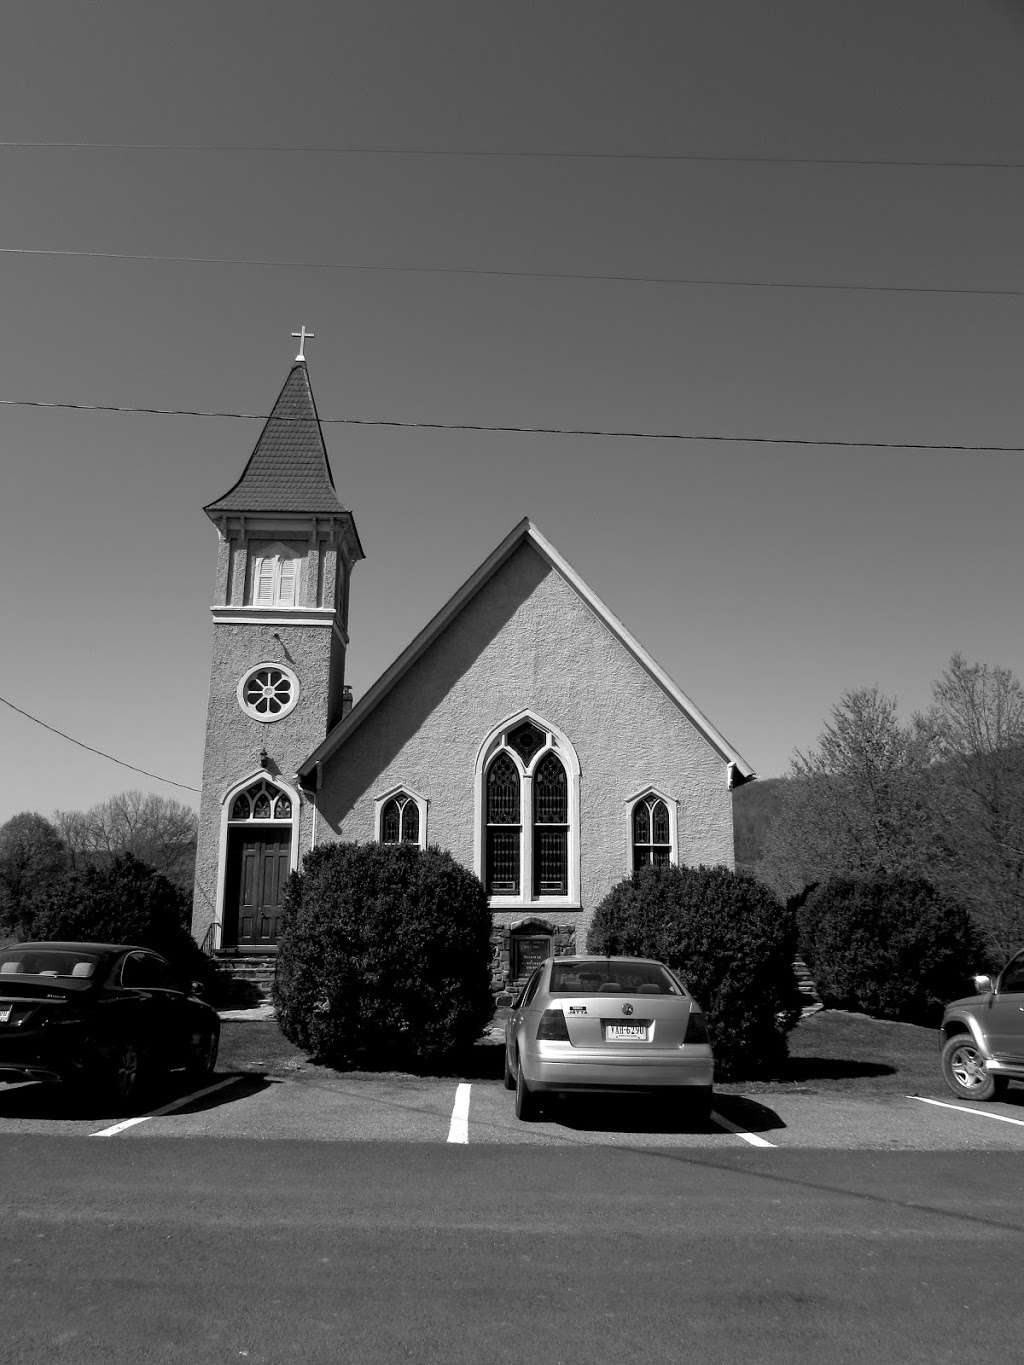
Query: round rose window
point(268, 692)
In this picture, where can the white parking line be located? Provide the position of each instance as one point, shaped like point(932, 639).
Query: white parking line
point(962, 1109)
point(166, 1108)
point(458, 1130)
point(752, 1138)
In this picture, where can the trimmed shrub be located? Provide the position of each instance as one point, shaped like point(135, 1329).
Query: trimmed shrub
point(731, 942)
point(124, 901)
point(385, 956)
point(891, 947)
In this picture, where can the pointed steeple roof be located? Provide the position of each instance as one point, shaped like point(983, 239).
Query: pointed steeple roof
point(288, 470)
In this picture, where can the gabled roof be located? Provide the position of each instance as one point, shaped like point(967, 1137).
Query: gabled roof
point(288, 470)
point(524, 533)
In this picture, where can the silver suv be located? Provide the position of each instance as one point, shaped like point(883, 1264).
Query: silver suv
point(982, 1036)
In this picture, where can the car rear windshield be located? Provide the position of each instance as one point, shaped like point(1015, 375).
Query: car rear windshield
point(47, 962)
point(593, 977)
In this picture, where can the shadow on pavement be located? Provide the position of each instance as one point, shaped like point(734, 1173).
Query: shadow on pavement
point(39, 1101)
point(644, 1114)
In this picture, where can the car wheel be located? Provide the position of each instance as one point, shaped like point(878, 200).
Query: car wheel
point(527, 1104)
point(126, 1072)
point(963, 1069)
point(510, 1080)
point(204, 1055)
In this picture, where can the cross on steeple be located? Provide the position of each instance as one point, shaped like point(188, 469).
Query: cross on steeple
point(303, 336)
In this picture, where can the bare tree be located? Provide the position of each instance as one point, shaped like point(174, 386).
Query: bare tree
point(976, 723)
point(856, 805)
point(156, 830)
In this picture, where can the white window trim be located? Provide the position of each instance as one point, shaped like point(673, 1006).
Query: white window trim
point(557, 742)
point(227, 800)
point(379, 802)
point(285, 710)
point(672, 805)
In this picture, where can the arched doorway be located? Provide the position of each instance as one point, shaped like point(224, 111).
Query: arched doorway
point(259, 859)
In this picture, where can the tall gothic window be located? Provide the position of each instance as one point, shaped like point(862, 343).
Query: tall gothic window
point(400, 820)
point(504, 827)
point(550, 828)
point(652, 833)
point(528, 799)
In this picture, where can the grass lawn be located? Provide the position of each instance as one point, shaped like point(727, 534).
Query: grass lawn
point(830, 1051)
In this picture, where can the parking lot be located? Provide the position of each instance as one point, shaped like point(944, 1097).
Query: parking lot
point(376, 1108)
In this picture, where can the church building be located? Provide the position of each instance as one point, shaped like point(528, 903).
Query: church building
point(524, 729)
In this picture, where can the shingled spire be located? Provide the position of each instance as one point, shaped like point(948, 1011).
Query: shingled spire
point(288, 471)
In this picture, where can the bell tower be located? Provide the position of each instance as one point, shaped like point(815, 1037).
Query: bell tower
point(286, 550)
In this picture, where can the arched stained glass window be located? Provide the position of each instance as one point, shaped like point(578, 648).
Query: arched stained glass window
point(551, 828)
point(528, 804)
point(652, 833)
point(261, 801)
point(400, 820)
point(504, 827)
point(503, 792)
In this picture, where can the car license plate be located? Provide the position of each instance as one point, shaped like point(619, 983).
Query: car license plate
point(617, 1033)
point(5, 1013)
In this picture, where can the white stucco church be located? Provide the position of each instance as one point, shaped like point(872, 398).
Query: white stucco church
point(523, 729)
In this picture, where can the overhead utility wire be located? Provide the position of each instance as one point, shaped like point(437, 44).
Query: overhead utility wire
point(694, 282)
point(521, 154)
point(71, 739)
point(520, 430)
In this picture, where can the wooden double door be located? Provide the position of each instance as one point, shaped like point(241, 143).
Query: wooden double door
point(259, 861)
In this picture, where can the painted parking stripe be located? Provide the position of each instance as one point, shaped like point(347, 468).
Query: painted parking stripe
point(752, 1138)
point(962, 1109)
point(166, 1108)
point(458, 1130)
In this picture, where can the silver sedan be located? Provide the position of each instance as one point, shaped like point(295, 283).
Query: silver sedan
point(607, 1024)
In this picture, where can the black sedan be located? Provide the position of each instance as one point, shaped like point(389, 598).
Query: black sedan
point(104, 1013)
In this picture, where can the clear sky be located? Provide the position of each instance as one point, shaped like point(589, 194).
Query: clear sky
point(767, 579)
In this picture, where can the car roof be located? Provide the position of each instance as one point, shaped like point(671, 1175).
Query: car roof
point(604, 957)
point(66, 946)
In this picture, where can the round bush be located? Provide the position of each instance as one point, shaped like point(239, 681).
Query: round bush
point(384, 957)
point(892, 947)
point(731, 942)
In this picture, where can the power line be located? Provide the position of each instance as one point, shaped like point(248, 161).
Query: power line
point(522, 430)
point(71, 740)
point(513, 154)
point(693, 282)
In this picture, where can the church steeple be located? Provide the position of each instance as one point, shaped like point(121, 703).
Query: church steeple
point(288, 470)
point(287, 547)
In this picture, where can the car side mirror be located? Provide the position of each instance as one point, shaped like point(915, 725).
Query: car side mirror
point(983, 985)
point(197, 988)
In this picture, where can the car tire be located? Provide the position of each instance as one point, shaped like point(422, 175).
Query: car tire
point(510, 1080)
point(528, 1106)
point(203, 1061)
point(963, 1070)
point(698, 1105)
point(126, 1075)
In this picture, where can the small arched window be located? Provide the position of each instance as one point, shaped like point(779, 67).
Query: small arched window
point(261, 801)
point(652, 833)
point(400, 820)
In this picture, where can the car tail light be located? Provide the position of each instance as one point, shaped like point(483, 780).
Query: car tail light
point(552, 1027)
point(696, 1028)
